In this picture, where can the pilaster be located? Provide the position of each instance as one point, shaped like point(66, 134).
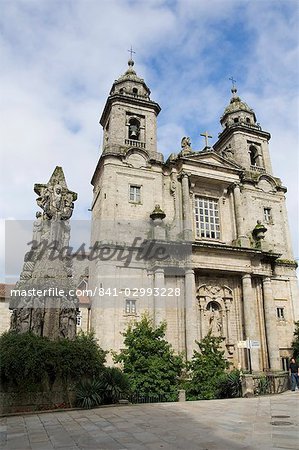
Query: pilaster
point(190, 312)
point(250, 318)
point(187, 221)
point(270, 322)
point(242, 239)
point(159, 301)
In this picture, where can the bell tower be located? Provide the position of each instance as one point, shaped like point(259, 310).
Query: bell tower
point(242, 138)
point(129, 116)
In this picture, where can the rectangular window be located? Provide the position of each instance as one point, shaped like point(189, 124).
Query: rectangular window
point(130, 306)
point(285, 363)
point(207, 218)
point(280, 313)
point(267, 215)
point(135, 193)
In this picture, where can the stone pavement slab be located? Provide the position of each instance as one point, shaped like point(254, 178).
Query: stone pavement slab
point(264, 423)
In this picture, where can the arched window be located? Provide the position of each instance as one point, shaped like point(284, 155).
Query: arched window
point(121, 91)
point(134, 129)
point(213, 306)
point(247, 120)
point(254, 157)
point(135, 91)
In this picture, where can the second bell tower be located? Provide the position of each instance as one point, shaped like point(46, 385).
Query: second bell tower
point(129, 116)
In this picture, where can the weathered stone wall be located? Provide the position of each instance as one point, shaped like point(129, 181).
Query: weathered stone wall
point(14, 402)
point(4, 315)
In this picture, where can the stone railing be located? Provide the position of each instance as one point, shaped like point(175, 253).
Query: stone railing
point(264, 384)
point(133, 143)
point(257, 169)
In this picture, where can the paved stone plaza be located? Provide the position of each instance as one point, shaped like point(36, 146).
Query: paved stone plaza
point(258, 423)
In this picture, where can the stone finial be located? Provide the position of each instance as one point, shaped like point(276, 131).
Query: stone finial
point(157, 213)
point(259, 230)
point(258, 233)
point(55, 199)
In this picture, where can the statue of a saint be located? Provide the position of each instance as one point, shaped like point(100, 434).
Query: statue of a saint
point(215, 321)
point(186, 146)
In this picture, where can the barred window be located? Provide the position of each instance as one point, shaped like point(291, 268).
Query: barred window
point(285, 363)
point(280, 313)
point(267, 215)
point(135, 193)
point(79, 319)
point(207, 218)
point(130, 306)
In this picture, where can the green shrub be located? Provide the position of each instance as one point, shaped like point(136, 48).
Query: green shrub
point(32, 363)
point(89, 393)
point(263, 386)
point(24, 360)
point(114, 384)
point(80, 357)
point(295, 343)
point(206, 369)
point(107, 389)
point(149, 360)
point(230, 385)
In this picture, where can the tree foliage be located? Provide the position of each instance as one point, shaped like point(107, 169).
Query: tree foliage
point(148, 359)
point(295, 343)
point(207, 369)
point(29, 362)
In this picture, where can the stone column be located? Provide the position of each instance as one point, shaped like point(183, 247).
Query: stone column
point(190, 313)
point(187, 216)
point(182, 395)
point(259, 159)
point(201, 303)
point(270, 322)
point(227, 302)
point(250, 318)
point(159, 302)
point(242, 240)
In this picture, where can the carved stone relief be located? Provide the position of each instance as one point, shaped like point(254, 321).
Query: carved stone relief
point(46, 268)
point(214, 305)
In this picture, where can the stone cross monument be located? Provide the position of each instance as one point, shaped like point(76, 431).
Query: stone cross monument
point(44, 301)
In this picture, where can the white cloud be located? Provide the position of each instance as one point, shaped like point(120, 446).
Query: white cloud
point(59, 59)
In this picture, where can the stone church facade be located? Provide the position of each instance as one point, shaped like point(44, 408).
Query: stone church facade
point(218, 215)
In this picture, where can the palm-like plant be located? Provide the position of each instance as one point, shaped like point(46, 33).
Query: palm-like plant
point(230, 385)
point(114, 384)
point(89, 393)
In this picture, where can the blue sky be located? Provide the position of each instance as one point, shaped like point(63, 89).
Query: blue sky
point(59, 60)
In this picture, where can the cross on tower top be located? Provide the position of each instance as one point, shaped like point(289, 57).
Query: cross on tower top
point(131, 51)
point(206, 135)
point(233, 81)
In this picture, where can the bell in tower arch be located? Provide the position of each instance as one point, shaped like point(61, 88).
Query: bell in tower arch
point(134, 129)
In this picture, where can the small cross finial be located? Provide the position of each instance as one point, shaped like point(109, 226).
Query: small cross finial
point(206, 135)
point(233, 81)
point(131, 51)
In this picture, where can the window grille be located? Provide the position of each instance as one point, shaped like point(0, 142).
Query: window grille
point(207, 218)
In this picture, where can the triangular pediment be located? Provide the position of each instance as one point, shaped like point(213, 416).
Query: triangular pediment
point(211, 158)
